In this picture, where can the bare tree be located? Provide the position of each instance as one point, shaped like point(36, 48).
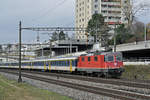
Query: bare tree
point(103, 36)
point(1, 48)
point(148, 31)
point(9, 47)
point(138, 31)
point(134, 8)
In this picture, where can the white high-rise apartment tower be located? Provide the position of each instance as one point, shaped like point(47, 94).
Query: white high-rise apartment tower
point(110, 9)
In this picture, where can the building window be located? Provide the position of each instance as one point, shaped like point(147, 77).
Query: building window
point(96, 12)
point(76, 21)
point(82, 8)
point(96, 0)
point(104, 11)
point(96, 6)
point(109, 17)
point(88, 7)
point(82, 37)
point(77, 5)
point(125, 1)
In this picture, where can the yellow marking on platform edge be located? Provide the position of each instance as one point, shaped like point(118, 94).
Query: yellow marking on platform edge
point(49, 66)
point(44, 66)
point(70, 65)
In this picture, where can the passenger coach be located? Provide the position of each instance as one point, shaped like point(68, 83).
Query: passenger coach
point(100, 64)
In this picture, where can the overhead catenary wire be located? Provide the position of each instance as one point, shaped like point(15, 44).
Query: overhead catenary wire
point(46, 13)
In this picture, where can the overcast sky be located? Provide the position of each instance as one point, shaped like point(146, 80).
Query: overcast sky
point(36, 13)
point(33, 13)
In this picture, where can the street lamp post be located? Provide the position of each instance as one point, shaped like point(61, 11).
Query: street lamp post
point(19, 79)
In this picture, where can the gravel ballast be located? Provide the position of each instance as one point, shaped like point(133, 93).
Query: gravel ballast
point(107, 86)
point(73, 93)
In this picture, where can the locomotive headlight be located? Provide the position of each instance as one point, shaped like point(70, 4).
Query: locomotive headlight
point(115, 63)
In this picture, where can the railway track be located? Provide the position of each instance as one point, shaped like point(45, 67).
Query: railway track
point(120, 82)
point(122, 95)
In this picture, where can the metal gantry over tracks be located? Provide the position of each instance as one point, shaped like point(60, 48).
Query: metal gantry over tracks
point(42, 29)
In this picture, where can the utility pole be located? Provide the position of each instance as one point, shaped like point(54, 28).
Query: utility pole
point(19, 79)
point(114, 41)
point(115, 38)
point(70, 45)
point(145, 36)
point(42, 52)
point(96, 32)
point(38, 37)
point(58, 34)
point(50, 47)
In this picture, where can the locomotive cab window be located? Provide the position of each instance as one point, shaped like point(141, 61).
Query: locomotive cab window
point(89, 58)
point(83, 59)
point(95, 59)
point(109, 58)
point(118, 58)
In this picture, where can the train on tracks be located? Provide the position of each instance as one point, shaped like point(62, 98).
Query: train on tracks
point(99, 64)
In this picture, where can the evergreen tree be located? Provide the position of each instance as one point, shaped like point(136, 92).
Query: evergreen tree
point(54, 36)
point(62, 35)
point(122, 35)
point(98, 28)
point(95, 23)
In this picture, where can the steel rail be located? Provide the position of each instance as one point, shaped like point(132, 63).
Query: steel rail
point(118, 82)
point(96, 90)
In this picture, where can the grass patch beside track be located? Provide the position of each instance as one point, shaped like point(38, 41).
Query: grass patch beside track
point(11, 90)
point(137, 72)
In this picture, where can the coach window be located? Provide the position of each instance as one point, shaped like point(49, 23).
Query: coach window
point(63, 63)
point(83, 59)
point(54, 63)
point(67, 63)
point(73, 62)
point(89, 58)
point(95, 58)
point(59, 63)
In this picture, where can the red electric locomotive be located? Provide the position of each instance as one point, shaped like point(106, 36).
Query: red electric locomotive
point(101, 64)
